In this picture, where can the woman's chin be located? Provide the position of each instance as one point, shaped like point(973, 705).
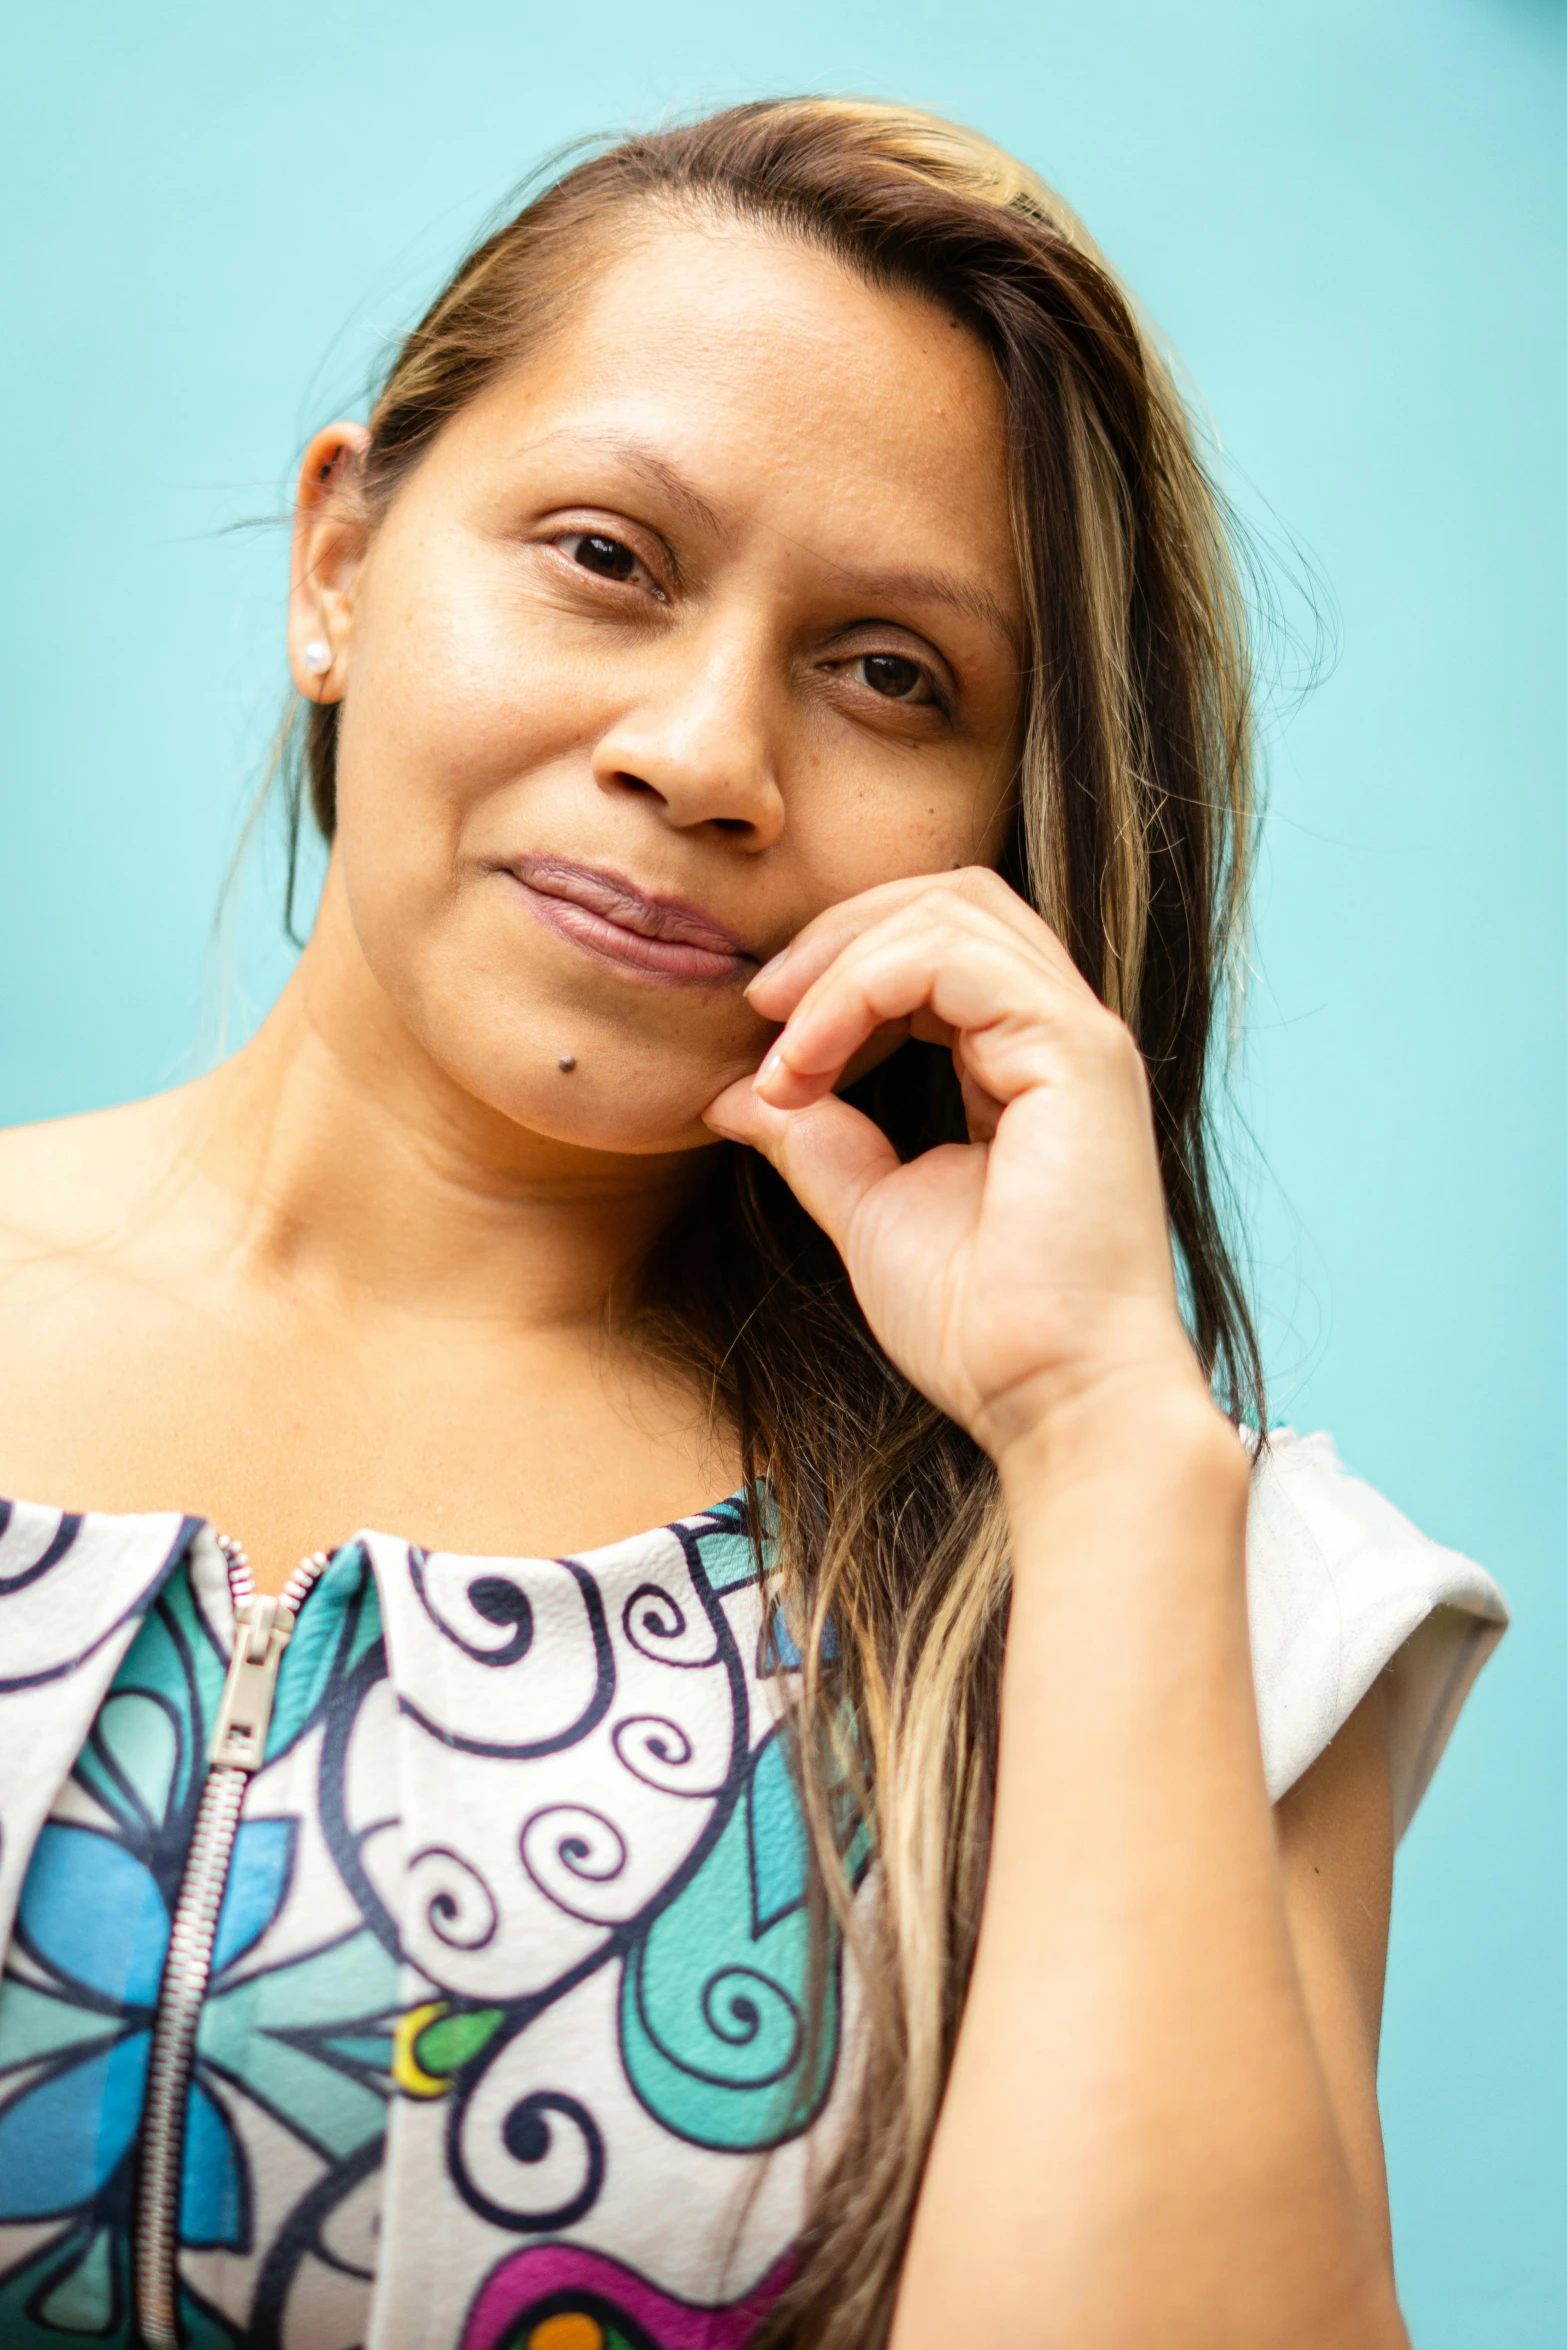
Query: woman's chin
point(618, 1079)
point(615, 1112)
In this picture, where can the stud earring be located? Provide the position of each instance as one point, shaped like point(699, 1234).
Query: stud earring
point(317, 656)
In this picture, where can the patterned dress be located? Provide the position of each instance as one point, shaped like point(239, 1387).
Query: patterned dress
point(513, 1933)
point(505, 2045)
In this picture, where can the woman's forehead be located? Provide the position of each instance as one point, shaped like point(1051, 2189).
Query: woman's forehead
point(759, 372)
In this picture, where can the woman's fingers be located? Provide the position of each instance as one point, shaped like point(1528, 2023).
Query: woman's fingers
point(960, 975)
point(780, 984)
point(981, 1108)
point(829, 1154)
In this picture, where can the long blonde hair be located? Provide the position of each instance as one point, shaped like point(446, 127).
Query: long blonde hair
point(1133, 812)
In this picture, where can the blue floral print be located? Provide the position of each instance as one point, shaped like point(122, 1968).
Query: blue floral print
point(309, 2039)
point(516, 1942)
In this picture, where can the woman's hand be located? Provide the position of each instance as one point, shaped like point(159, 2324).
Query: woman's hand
point(1024, 1270)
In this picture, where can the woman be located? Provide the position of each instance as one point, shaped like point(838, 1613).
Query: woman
point(777, 698)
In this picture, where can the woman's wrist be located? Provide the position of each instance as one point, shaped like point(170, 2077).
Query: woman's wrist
point(1138, 1431)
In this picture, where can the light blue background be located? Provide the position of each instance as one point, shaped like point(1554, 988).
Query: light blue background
point(1350, 219)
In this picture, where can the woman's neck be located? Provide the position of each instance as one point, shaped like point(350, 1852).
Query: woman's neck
point(344, 1159)
point(324, 1288)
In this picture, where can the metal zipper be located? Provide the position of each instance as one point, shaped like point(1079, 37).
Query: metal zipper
point(263, 1627)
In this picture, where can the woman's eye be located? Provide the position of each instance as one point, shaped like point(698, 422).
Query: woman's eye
point(894, 677)
point(605, 557)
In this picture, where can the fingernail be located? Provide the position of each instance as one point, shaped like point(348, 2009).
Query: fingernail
point(771, 1066)
point(769, 968)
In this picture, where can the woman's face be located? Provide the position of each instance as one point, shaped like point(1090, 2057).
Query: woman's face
point(702, 620)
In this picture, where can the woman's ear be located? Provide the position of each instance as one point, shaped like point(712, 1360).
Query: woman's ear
point(330, 537)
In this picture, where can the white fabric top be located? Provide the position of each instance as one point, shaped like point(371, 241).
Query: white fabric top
point(1340, 1586)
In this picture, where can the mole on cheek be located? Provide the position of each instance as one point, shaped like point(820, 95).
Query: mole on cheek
point(567, 1062)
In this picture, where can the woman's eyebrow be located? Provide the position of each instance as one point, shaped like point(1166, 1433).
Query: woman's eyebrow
point(655, 470)
point(939, 587)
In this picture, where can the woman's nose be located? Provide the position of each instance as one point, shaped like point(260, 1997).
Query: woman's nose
point(701, 739)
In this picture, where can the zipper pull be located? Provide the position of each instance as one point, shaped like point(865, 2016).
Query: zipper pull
point(263, 1627)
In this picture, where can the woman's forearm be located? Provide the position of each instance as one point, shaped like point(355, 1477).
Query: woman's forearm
point(1137, 2144)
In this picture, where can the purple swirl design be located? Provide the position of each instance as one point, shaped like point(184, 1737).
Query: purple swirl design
point(548, 2280)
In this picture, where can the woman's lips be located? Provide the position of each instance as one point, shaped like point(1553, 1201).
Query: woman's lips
point(663, 938)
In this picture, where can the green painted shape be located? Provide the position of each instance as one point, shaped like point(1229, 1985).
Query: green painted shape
point(173, 1660)
point(201, 2328)
point(780, 1844)
point(177, 1611)
point(323, 1644)
point(143, 1743)
point(352, 1983)
point(335, 2111)
point(18, 2331)
point(34, 2024)
point(371, 2050)
point(728, 1558)
point(83, 2301)
point(452, 2040)
point(713, 2026)
point(344, 1983)
point(728, 1561)
point(364, 1626)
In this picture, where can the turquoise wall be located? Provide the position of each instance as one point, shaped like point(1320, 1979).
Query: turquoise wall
point(1350, 218)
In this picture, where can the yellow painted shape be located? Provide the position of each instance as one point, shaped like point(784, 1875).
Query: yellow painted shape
point(414, 2081)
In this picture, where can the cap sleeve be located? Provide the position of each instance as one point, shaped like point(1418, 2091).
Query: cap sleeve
point(1340, 1586)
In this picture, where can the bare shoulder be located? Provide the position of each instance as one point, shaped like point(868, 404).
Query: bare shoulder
point(68, 1186)
point(83, 1224)
point(86, 1239)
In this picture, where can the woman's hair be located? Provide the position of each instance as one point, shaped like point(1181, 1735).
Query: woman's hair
point(1130, 836)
